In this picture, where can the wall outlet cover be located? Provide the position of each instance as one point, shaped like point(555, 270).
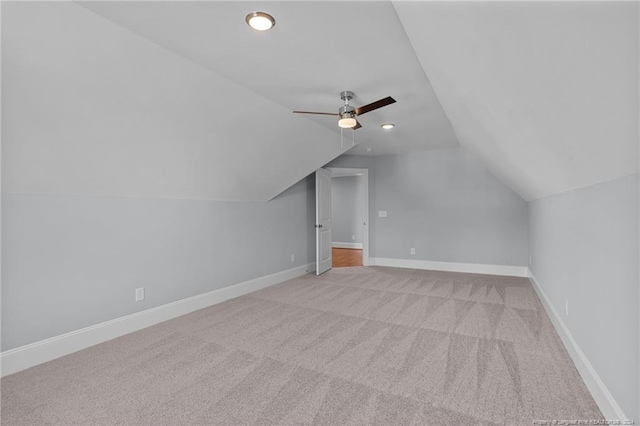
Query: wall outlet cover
point(139, 294)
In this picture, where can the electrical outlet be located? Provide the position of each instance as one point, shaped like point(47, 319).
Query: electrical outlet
point(293, 258)
point(353, 238)
point(413, 251)
point(382, 213)
point(529, 260)
point(566, 307)
point(139, 294)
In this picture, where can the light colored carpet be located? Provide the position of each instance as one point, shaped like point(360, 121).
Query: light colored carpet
point(354, 346)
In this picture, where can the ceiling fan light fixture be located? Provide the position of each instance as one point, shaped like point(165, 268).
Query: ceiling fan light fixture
point(260, 21)
point(347, 121)
point(388, 126)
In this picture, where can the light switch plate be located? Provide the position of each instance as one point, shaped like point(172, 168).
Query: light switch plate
point(382, 213)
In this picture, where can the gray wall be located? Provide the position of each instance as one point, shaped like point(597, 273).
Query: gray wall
point(449, 208)
point(584, 249)
point(347, 208)
point(143, 159)
point(73, 261)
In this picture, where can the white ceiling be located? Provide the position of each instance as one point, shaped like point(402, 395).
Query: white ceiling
point(546, 93)
point(183, 100)
point(315, 51)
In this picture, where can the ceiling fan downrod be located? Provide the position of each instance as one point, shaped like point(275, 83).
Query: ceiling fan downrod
point(346, 110)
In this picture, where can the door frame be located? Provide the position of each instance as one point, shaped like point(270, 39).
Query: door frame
point(348, 171)
point(323, 221)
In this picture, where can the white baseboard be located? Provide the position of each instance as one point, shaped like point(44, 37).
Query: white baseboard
point(347, 245)
point(27, 356)
point(475, 268)
point(607, 404)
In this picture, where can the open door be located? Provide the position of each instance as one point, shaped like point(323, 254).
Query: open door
point(323, 221)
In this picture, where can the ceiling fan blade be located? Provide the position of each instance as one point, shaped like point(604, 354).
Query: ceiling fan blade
point(357, 126)
point(313, 112)
point(375, 105)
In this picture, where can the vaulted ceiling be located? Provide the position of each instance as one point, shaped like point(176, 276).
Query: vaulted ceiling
point(315, 51)
point(546, 93)
point(183, 100)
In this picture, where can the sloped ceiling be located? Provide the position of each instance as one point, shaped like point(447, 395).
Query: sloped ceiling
point(90, 108)
point(316, 50)
point(183, 100)
point(546, 93)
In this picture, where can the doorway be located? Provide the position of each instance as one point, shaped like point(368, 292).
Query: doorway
point(350, 217)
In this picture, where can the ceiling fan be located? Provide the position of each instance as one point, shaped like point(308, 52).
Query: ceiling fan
point(348, 113)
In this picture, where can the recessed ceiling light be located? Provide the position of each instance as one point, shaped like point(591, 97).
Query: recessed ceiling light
point(388, 126)
point(260, 21)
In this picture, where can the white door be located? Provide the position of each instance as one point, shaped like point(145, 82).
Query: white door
point(323, 221)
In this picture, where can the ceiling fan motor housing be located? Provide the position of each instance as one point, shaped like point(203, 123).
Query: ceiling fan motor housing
point(346, 111)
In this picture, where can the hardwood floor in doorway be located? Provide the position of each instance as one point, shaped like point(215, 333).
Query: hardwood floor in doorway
point(346, 257)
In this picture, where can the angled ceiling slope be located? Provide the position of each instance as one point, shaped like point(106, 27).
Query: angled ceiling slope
point(90, 108)
point(316, 50)
point(546, 93)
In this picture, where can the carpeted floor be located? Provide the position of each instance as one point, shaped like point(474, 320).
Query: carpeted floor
point(353, 346)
